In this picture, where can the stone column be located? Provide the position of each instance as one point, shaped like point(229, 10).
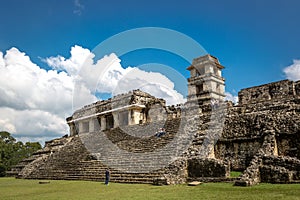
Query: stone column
point(72, 129)
point(92, 125)
point(116, 119)
point(134, 117)
point(80, 128)
point(129, 117)
point(97, 124)
point(103, 123)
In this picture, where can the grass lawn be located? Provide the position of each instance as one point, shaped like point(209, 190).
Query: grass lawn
point(11, 188)
point(235, 174)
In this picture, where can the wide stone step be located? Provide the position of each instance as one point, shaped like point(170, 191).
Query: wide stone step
point(101, 178)
point(12, 173)
point(212, 179)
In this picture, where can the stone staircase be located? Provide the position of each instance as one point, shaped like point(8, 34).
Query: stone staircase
point(95, 171)
point(70, 159)
point(142, 158)
point(122, 138)
point(208, 129)
point(50, 147)
point(58, 156)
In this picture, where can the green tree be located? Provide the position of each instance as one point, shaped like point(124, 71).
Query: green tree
point(12, 152)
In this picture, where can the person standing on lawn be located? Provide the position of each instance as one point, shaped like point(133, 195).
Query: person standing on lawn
point(107, 175)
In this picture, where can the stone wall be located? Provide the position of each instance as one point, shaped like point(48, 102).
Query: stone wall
point(134, 107)
point(288, 145)
point(237, 152)
point(277, 90)
point(282, 169)
point(133, 97)
point(207, 167)
point(251, 175)
point(245, 124)
point(176, 172)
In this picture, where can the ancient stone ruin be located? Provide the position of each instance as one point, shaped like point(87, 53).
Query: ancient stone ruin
point(202, 140)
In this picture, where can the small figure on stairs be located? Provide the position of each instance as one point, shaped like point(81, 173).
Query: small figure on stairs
point(161, 132)
point(107, 174)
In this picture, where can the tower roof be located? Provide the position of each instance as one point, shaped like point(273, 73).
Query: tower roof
point(204, 59)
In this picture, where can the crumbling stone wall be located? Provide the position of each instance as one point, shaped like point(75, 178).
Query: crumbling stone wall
point(282, 169)
point(120, 100)
point(288, 145)
point(238, 153)
point(271, 91)
point(207, 167)
point(269, 112)
point(176, 172)
point(245, 124)
point(251, 175)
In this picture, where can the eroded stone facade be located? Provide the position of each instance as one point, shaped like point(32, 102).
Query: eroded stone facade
point(121, 110)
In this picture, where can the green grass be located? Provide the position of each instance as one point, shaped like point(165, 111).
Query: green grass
point(235, 174)
point(11, 188)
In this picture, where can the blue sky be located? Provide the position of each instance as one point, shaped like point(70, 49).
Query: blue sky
point(255, 40)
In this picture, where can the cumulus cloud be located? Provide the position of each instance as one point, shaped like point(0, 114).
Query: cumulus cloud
point(24, 85)
point(292, 72)
point(32, 123)
point(34, 102)
point(72, 65)
point(154, 83)
point(108, 76)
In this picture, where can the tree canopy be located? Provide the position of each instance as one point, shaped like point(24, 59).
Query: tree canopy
point(12, 151)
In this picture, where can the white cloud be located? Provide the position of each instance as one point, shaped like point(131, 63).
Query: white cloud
point(34, 102)
point(72, 65)
point(292, 72)
point(154, 83)
point(33, 123)
point(108, 76)
point(78, 8)
point(231, 97)
point(7, 125)
point(24, 85)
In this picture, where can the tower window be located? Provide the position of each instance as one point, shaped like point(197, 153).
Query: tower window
point(218, 89)
point(200, 71)
point(215, 71)
point(199, 88)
